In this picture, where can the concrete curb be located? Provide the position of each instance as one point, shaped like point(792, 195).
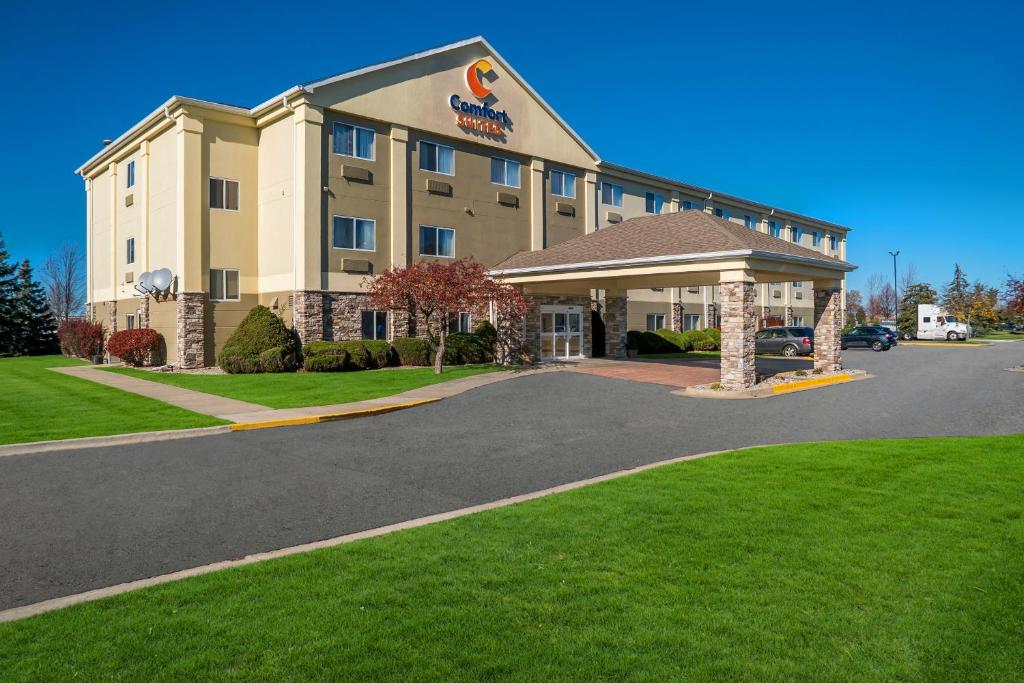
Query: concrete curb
point(774, 390)
point(112, 440)
point(26, 611)
point(812, 383)
point(954, 345)
point(329, 417)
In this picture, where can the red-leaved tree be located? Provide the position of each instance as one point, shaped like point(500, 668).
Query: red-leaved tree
point(1013, 293)
point(436, 291)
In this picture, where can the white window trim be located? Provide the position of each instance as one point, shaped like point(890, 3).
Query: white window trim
point(562, 193)
point(224, 277)
point(437, 227)
point(387, 324)
point(129, 241)
point(622, 192)
point(353, 248)
point(355, 143)
point(437, 145)
point(656, 316)
point(225, 197)
point(506, 160)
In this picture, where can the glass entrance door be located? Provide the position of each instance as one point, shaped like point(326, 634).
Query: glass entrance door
point(561, 333)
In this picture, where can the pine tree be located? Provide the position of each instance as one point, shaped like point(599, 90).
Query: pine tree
point(7, 290)
point(913, 295)
point(36, 331)
point(956, 298)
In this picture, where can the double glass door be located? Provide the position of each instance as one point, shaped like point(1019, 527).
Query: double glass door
point(561, 333)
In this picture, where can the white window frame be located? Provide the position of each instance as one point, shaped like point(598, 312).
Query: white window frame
point(695, 317)
point(224, 283)
point(129, 251)
point(224, 194)
point(507, 161)
point(436, 241)
point(130, 175)
point(798, 321)
point(334, 227)
point(437, 146)
point(455, 321)
point(653, 198)
point(387, 325)
point(612, 186)
point(129, 321)
point(355, 141)
point(564, 175)
point(657, 317)
point(815, 238)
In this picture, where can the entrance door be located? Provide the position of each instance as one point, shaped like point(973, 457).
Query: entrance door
point(561, 332)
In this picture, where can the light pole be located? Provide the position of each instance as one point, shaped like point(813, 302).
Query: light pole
point(895, 294)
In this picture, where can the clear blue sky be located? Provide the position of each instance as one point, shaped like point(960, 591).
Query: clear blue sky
point(901, 120)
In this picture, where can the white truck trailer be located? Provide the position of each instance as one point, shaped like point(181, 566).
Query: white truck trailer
point(934, 323)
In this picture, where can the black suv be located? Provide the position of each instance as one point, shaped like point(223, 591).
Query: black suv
point(789, 341)
point(874, 338)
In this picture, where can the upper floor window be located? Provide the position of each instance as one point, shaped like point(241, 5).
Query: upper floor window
point(354, 233)
point(353, 141)
point(504, 172)
point(689, 206)
point(223, 194)
point(774, 229)
point(130, 175)
point(833, 243)
point(435, 241)
point(375, 324)
point(797, 233)
point(129, 256)
point(437, 158)
point(722, 213)
point(654, 202)
point(816, 238)
point(611, 194)
point(563, 184)
point(750, 222)
point(798, 284)
point(224, 284)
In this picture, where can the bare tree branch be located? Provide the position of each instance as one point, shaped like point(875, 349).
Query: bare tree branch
point(64, 279)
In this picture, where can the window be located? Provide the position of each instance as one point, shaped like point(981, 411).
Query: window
point(797, 233)
point(353, 141)
point(654, 202)
point(354, 233)
point(689, 206)
point(750, 222)
point(435, 241)
point(375, 324)
point(611, 194)
point(129, 256)
point(774, 229)
point(129, 321)
point(655, 321)
point(798, 285)
point(722, 213)
point(815, 238)
point(691, 321)
point(563, 184)
point(833, 243)
point(130, 175)
point(926, 319)
point(223, 285)
point(460, 322)
point(437, 158)
point(798, 321)
point(504, 172)
point(223, 194)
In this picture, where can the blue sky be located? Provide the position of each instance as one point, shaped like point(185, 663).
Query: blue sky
point(901, 120)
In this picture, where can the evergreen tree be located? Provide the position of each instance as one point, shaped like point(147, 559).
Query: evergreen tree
point(956, 298)
point(35, 331)
point(7, 290)
point(914, 294)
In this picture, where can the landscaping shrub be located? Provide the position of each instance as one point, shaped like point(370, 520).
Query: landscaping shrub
point(381, 353)
point(649, 342)
point(674, 338)
point(715, 335)
point(80, 338)
point(326, 362)
point(259, 331)
point(361, 355)
point(323, 348)
point(274, 360)
point(135, 347)
point(462, 348)
point(487, 336)
point(412, 350)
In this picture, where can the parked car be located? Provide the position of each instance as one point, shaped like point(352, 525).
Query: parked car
point(788, 341)
point(893, 334)
point(874, 338)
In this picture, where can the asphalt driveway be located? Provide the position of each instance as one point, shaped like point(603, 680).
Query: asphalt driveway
point(76, 520)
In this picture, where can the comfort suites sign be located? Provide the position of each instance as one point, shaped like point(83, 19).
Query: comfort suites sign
point(480, 117)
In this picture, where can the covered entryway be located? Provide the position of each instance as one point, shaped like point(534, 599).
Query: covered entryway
point(561, 332)
point(683, 249)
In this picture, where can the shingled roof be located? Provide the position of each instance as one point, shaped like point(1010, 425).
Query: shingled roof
point(681, 235)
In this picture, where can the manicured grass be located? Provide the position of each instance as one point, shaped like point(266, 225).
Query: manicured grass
point(1016, 336)
point(297, 389)
point(37, 404)
point(874, 560)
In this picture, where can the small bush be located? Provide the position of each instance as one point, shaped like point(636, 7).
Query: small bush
point(461, 348)
point(80, 338)
point(817, 371)
point(323, 348)
point(274, 360)
point(381, 353)
point(135, 347)
point(412, 350)
point(715, 335)
point(800, 373)
point(487, 336)
point(259, 331)
point(326, 362)
point(357, 351)
point(674, 338)
point(715, 386)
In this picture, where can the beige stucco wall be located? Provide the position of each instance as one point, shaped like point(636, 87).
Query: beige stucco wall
point(230, 237)
point(274, 196)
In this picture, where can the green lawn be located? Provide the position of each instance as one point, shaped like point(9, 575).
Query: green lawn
point(1016, 336)
point(37, 404)
point(297, 389)
point(872, 560)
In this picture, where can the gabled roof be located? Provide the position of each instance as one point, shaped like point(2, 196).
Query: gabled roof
point(665, 238)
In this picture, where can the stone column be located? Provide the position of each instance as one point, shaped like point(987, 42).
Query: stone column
point(144, 312)
point(738, 326)
point(828, 325)
point(308, 315)
point(788, 318)
point(191, 330)
point(615, 323)
point(709, 316)
point(677, 317)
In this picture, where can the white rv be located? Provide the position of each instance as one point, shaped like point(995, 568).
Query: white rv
point(934, 323)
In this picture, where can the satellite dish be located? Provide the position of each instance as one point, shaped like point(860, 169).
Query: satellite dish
point(145, 281)
point(160, 280)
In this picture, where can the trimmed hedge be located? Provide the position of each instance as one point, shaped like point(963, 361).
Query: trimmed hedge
point(80, 338)
point(326, 362)
point(462, 348)
point(259, 331)
point(412, 350)
point(135, 347)
point(670, 341)
point(361, 354)
point(649, 342)
point(274, 360)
